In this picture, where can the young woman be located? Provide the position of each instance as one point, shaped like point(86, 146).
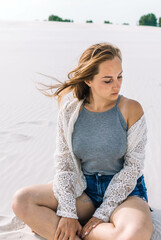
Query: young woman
point(98, 192)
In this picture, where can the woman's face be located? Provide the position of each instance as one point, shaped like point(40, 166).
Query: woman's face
point(108, 81)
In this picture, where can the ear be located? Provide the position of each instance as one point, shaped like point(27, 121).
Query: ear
point(88, 83)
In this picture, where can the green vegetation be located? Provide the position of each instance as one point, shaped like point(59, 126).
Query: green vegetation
point(145, 20)
point(58, 19)
point(89, 21)
point(107, 22)
point(148, 20)
point(160, 22)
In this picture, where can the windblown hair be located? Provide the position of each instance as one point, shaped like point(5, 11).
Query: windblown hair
point(88, 67)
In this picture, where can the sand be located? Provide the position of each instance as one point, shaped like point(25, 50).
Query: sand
point(28, 118)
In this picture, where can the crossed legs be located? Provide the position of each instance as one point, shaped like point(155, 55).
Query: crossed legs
point(36, 205)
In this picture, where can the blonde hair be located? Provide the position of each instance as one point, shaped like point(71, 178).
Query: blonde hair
point(88, 67)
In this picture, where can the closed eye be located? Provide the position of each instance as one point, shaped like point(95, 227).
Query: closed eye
point(107, 82)
point(111, 80)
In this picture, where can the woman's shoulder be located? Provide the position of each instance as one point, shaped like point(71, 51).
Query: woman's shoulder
point(69, 105)
point(134, 110)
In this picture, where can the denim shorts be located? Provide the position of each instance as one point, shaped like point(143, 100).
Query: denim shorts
point(97, 184)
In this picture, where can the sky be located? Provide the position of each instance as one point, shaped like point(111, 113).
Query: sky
point(115, 11)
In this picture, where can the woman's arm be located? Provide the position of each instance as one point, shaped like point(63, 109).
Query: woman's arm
point(65, 178)
point(123, 183)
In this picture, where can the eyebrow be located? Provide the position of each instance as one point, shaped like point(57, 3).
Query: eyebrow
point(111, 76)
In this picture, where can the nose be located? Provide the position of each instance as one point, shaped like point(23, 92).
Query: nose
point(116, 84)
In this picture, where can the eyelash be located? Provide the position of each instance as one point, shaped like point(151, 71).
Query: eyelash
point(110, 81)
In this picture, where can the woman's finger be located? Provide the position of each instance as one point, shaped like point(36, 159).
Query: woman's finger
point(57, 233)
point(89, 226)
point(61, 236)
point(66, 237)
point(71, 237)
point(85, 230)
point(79, 232)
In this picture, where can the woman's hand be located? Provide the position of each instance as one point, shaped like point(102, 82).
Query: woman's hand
point(92, 223)
point(67, 229)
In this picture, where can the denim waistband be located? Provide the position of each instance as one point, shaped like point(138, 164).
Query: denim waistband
point(98, 176)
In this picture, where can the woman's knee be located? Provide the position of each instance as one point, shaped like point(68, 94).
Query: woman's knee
point(133, 233)
point(21, 201)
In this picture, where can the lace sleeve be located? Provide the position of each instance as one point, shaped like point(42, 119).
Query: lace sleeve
point(65, 177)
point(123, 183)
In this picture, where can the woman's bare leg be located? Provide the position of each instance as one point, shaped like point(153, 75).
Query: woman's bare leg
point(36, 206)
point(130, 221)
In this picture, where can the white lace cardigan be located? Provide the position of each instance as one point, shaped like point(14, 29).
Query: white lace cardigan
point(69, 181)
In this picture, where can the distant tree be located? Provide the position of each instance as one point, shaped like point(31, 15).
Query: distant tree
point(89, 21)
point(58, 19)
point(55, 18)
point(107, 22)
point(67, 20)
point(125, 24)
point(148, 20)
point(160, 22)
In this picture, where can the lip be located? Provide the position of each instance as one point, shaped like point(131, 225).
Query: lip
point(115, 93)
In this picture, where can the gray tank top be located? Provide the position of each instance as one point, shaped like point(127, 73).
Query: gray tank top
point(99, 140)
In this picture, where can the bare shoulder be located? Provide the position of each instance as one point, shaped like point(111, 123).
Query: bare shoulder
point(134, 111)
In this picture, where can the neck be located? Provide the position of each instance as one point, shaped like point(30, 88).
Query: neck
point(99, 104)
